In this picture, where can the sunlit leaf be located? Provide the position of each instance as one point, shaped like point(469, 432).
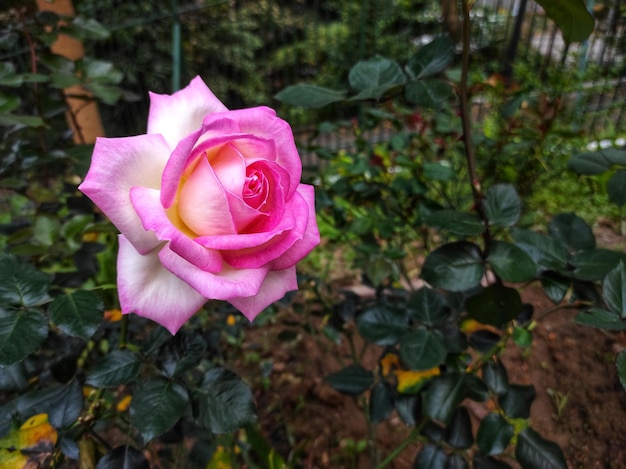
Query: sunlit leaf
point(377, 73)
point(431, 59)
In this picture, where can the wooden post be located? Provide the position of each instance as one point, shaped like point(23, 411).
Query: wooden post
point(83, 116)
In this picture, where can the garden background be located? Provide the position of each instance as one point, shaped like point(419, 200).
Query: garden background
point(361, 367)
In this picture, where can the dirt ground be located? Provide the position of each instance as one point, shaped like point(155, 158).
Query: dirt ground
point(579, 401)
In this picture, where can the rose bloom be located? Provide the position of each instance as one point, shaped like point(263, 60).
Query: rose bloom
point(209, 205)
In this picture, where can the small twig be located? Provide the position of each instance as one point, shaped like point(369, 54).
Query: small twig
point(413, 436)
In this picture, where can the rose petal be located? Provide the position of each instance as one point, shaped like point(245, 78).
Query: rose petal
point(118, 164)
point(178, 115)
point(262, 122)
point(308, 241)
point(247, 240)
point(148, 206)
point(289, 246)
point(229, 283)
point(202, 203)
point(274, 287)
point(230, 168)
point(148, 289)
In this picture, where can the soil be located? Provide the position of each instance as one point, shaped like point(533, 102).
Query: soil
point(580, 403)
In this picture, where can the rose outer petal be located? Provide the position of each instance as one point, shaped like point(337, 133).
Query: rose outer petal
point(274, 287)
point(178, 115)
point(148, 289)
point(229, 283)
point(118, 164)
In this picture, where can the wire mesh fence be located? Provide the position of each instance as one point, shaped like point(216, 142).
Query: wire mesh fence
point(247, 50)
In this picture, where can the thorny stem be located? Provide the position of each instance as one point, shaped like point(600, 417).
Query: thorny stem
point(575, 305)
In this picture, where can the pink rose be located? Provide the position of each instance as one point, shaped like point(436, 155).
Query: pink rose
point(209, 205)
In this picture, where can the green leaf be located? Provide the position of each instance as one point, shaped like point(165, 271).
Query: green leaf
point(125, 457)
point(21, 333)
point(597, 162)
point(430, 93)
point(494, 434)
point(27, 121)
point(181, 353)
point(502, 205)
point(78, 313)
point(105, 93)
point(156, 406)
point(428, 307)
point(495, 305)
point(88, 28)
point(487, 462)
point(522, 337)
point(309, 96)
point(377, 73)
point(614, 290)
point(458, 223)
point(8, 103)
point(382, 324)
point(620, 364)
point(616, 188)
point(546, 252)
point(438, 171)
point(555, 286)
point(443, 395)
point(572, 231)
point(495, 377)
point(534, 452)
point(510, 262)
point(602, 319)
point(22, 284)
point(116, 368)
point(224, 402)
point(381, 402)
point(353, 379)
point(517, 400)
point(431, 59)
point(459, 432)
point(422, 349)
point(63, 404)
point(454, 266)
point(571, 17)
point(408, 407)
point(8, 77)
point(13, 378)
point(595, 264)
point(430, 457)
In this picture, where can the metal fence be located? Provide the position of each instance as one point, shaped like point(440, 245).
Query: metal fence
point(247, 50)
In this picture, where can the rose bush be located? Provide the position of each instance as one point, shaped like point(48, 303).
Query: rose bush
point(209, 205)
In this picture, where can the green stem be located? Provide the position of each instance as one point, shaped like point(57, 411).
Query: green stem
point(402, 446)
point(124, 332)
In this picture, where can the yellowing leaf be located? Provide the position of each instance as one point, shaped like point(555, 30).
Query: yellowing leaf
point(124, 404)
point(113, 315)
point(29, 446)
point(469, 326)
point(410, 381)
point(220, 460)
point(388, 363)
